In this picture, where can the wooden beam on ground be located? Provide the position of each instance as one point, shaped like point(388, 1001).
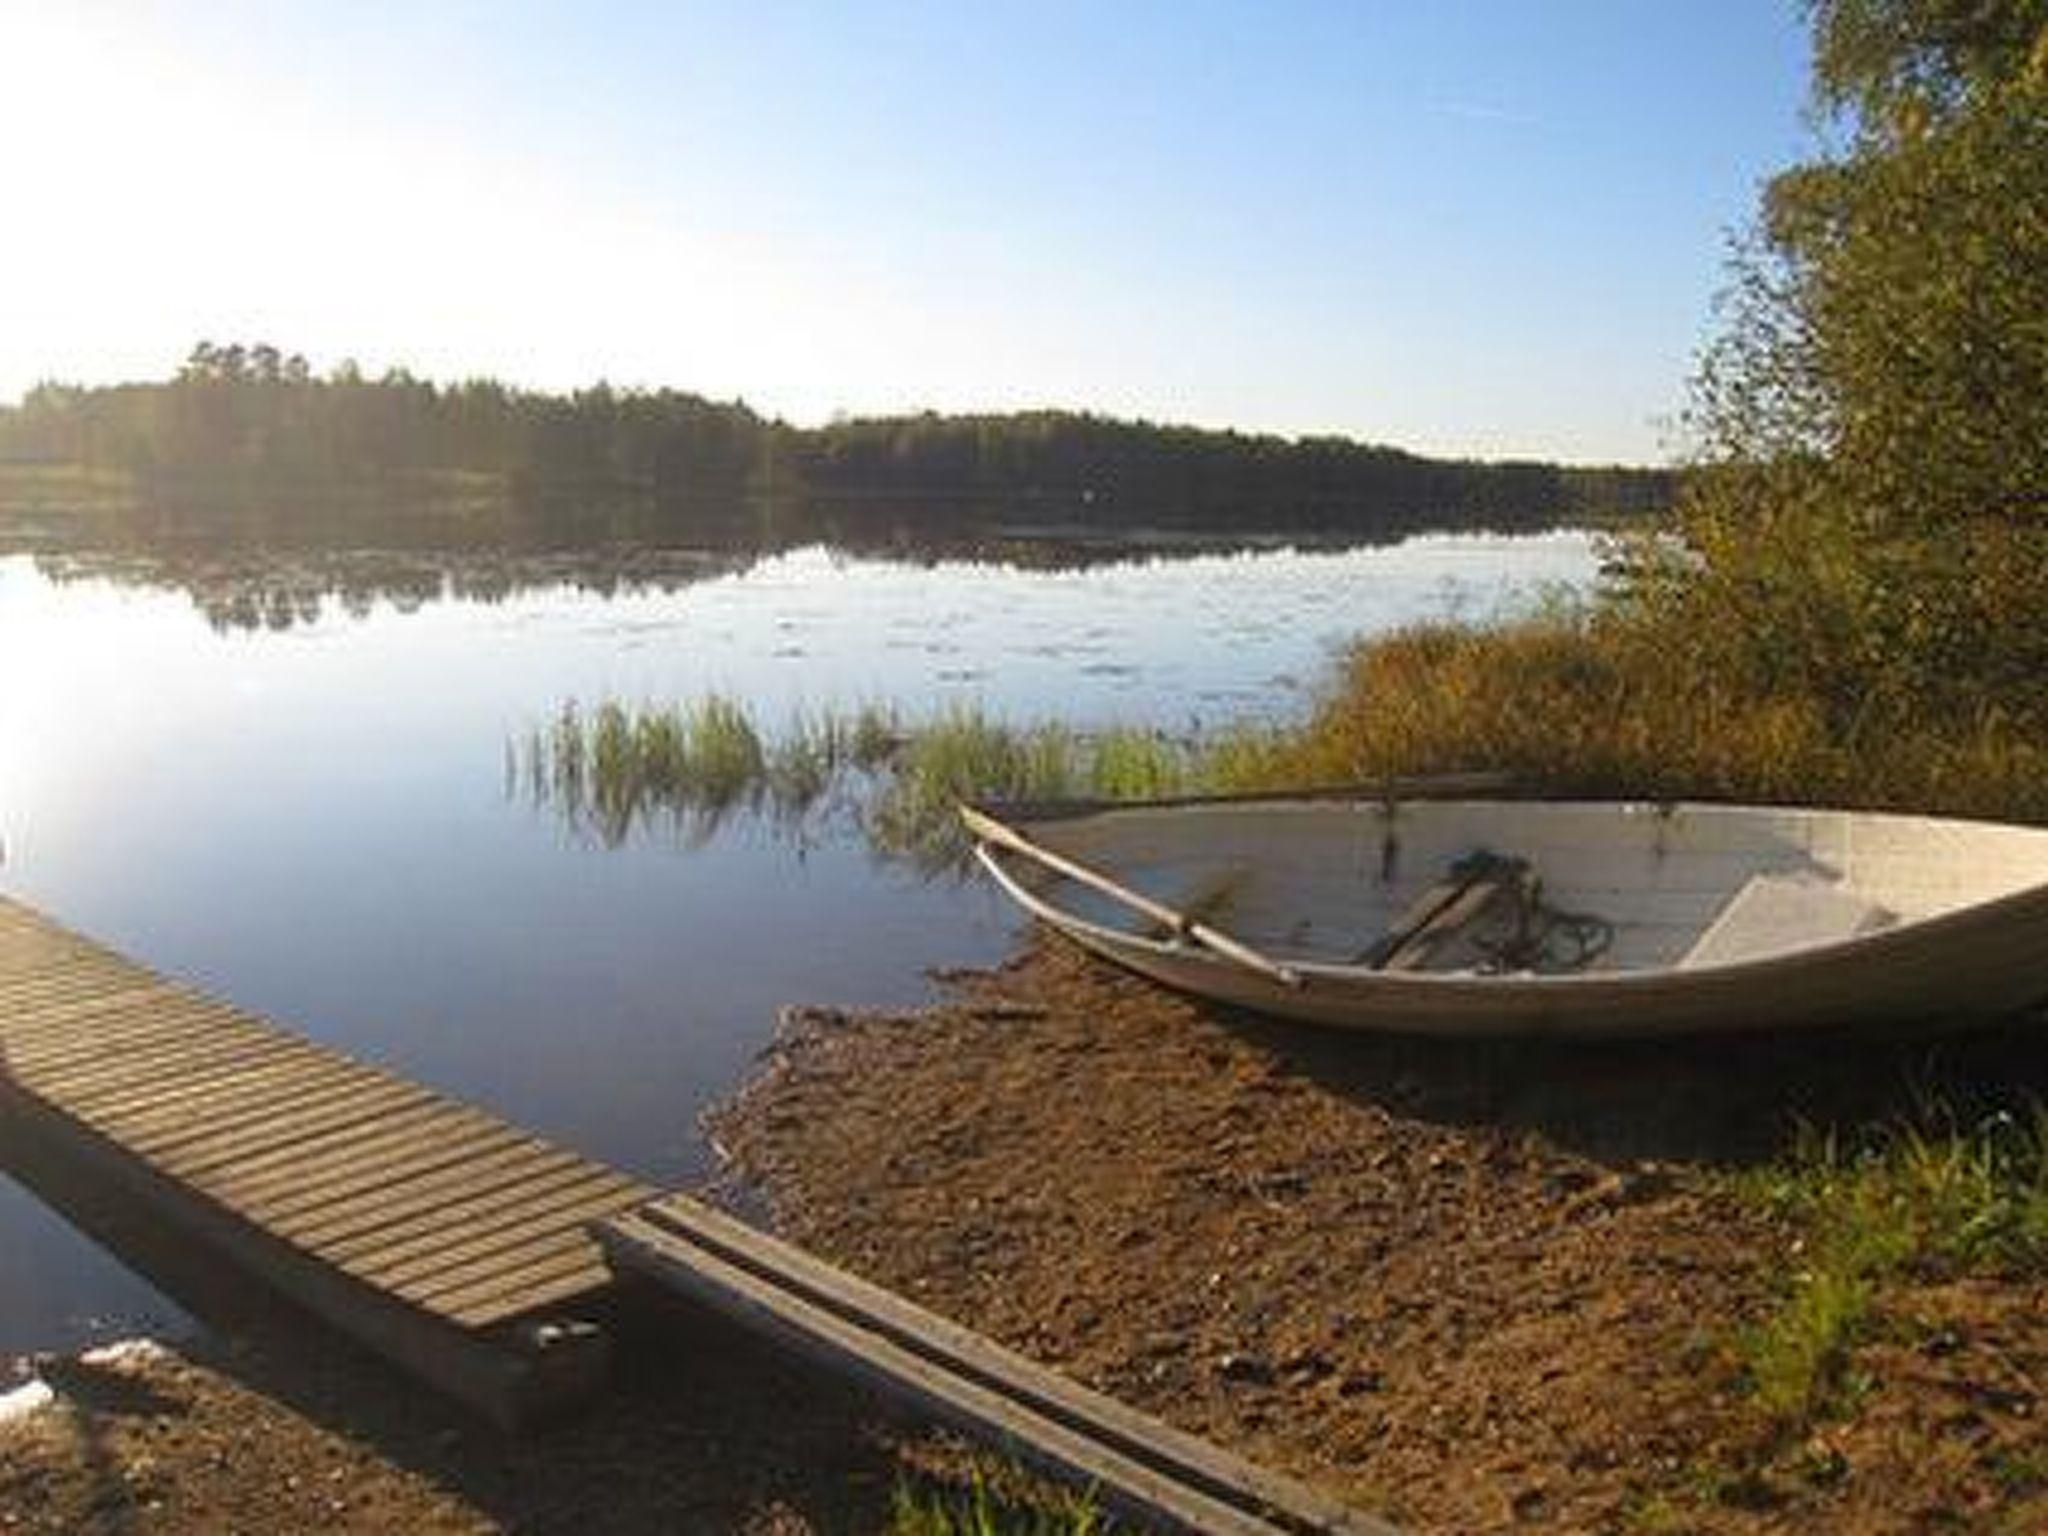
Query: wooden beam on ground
point(1135, 1464)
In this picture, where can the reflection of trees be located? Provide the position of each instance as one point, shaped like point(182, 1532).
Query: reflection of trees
point(238, 589)
point(242, 592)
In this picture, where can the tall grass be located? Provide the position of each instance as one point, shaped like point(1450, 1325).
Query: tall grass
point(1598, 700)
point(612, 769)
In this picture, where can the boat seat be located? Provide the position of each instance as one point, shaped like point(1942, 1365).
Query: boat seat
point(1775, 914)
point(1471, 888)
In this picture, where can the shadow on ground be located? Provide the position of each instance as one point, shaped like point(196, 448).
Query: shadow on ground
point(705, 1429)
point(1719, 1099)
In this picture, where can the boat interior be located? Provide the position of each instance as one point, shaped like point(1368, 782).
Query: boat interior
point(1636, 886)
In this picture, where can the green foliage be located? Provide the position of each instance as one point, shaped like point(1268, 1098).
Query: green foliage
point(1929, 1198)
point(617, 768)
point(1892, 62)
point(1871, 518)
point(1602, 702)
point(614, 769)
point(1004, 1504)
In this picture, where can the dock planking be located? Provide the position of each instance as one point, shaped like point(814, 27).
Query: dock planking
point(464, 1248)
point(447, 1239)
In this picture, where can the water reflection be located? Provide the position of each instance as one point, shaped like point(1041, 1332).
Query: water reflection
point(308, 816)
point(239, 590)
point(237, 586)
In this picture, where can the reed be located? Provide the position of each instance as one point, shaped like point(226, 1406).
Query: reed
point(611, 769)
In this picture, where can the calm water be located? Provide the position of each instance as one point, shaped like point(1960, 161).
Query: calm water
point(311, 817)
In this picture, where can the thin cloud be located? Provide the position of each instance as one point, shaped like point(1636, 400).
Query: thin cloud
point(1483, 112)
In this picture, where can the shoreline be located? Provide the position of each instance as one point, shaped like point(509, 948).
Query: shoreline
point(1469, 1287)
point(1478, 1288)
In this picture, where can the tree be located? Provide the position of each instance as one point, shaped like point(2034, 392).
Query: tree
point(1873, 507)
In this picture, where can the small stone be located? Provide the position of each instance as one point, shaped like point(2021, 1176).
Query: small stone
point(1247, 1370)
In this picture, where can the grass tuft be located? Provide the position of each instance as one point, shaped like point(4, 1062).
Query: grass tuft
point(613, 769)
point(1929, 1198)
point(983, 1508)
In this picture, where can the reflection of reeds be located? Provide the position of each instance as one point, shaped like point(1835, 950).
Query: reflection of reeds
point(613, 768)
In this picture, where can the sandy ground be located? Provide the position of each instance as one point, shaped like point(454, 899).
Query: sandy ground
point(1471, 1287)
point(1475, 1288)
point(301, 1434)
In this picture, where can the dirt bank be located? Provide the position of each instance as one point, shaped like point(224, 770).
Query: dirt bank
point(1473, 1287)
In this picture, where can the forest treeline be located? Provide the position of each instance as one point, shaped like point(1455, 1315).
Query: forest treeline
point(247, 427)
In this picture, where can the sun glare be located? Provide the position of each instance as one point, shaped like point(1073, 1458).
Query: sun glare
point(194, 203)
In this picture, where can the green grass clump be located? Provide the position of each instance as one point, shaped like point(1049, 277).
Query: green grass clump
point(613, 768)
point(969, 755)
point(1927, 1198)
point(982, 1508)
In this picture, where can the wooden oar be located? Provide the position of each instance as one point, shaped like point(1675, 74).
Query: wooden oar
point(989, 830)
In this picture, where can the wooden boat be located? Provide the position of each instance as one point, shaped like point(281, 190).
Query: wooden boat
point(1498, 917)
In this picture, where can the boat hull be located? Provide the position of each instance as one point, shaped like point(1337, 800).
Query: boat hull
point(1979, 958)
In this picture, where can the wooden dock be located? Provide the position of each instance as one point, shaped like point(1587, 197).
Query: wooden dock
point(468, 1251)
point(433, 1232)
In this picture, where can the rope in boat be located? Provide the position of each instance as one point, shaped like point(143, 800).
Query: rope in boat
point(1532, 935)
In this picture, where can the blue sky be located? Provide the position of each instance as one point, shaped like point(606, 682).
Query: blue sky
point(1484, 227)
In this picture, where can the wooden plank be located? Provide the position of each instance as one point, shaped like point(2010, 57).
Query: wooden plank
point(160, 1077)
point(427, 1228)
point(123, 1040)
point(152, 1074)
point(959, 1348)
point(510, 1375)
point(520, 1216)
point(55, 978)
point(1442, 911)
point(557, 1251)
point(197, 1107)
point(371, 1206)
point(1137, 1464)
point(230, 1161)
point(55, 1038)
point(578, 1271)
point(343, 1165)
point(291, 1122)
point(28, 1023)
point(77, 1026)
point(440, 1200)
point(67, 986)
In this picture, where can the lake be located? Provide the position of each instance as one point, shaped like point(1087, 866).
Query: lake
point(287, 783)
